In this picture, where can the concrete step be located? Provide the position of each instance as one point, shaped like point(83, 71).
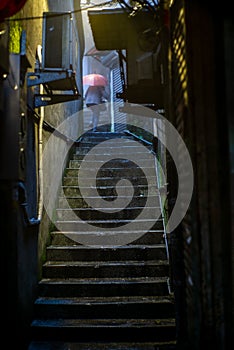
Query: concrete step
point(81, 226)
point(110, 181)
point(123, 253)
point(138, 307)
point(77, 201)
point(130, 141)
point(115, 142)
point(111, 171)
point(121, 153)
point(120, 214)
point(116, 237)
point(110, 191)
point(55, 345)
point(104, 329)
point(103, 287)
point(99, 269)
point(104, 135)
point(83, 149)
point(70, 238)
point(113, 163)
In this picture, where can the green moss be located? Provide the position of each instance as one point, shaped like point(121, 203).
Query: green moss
point(52, 227)
point(15, 31)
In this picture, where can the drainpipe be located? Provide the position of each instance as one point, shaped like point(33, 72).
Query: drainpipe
point(22, 190)
point(40, 167)
point(40, 149)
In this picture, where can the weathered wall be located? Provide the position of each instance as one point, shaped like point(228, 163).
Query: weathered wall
point(202, 251)
point(57, 114)
point(24, 244)
point(19, 240)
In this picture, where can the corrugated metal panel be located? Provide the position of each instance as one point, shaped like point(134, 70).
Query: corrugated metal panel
point(119, 117)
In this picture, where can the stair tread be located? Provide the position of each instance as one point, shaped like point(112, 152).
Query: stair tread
point(92, 169)
point(105, 300)
point(119, 196)
point(110, 323)
point(108, 177)
point(113, 231)
point(87, 145)
point(145, 163)
point(108, 280)
point(109, 221)
point(113, 144)
point(138, 149)
point(144, 185)
point(123, 247)
point(98, 263)
point(40, 345)
point(106, 209)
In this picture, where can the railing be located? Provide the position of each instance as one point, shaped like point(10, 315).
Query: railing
point(162, 186)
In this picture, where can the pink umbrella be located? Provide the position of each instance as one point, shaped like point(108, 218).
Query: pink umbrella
point(94, 80)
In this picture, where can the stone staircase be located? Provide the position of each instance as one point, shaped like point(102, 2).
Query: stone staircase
point(103, 295)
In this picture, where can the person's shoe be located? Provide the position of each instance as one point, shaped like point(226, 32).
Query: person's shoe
point(94, 129)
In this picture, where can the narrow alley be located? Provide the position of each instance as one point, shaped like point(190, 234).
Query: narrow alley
point(116, 178)
point(104, 290)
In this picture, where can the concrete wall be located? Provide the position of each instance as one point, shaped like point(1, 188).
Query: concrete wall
point(23, 245)
point(55, 115)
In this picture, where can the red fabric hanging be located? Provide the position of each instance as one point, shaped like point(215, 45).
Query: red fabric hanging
point(9, 8)
point(3, 4)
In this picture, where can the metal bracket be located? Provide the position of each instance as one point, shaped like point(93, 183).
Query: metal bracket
point(44, 77)
point(50, 99)
point(53, 82)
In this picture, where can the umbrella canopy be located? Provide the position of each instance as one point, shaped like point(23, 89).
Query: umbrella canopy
point(94, 80)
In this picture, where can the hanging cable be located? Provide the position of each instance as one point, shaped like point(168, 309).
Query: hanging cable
point(31, 18)
point(123, 4)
